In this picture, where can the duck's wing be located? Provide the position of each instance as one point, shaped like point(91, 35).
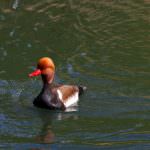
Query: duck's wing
point(68, 94)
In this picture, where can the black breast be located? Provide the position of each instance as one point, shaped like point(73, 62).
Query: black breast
point(48, 98)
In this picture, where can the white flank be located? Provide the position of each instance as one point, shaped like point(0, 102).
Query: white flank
point(59, 94)
point(70, 101)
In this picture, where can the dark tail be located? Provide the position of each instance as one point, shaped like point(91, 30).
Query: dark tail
point(81, 89)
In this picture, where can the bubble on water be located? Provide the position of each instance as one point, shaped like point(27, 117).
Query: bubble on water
point(35, 28)
point(4, 53)
point(29, 45)
point(15, 4)
point(11, 34)
point(83, 54)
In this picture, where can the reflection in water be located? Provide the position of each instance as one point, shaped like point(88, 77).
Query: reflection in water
point(47, 134)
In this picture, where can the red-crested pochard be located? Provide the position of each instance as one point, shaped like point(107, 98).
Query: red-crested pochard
point(54, 96)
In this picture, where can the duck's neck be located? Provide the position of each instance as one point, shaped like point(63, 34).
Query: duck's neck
point(46, 86)
point(47, 79)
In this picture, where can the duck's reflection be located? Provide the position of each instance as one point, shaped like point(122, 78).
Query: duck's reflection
point(47, 134)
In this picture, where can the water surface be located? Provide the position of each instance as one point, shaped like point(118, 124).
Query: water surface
point(101, 44)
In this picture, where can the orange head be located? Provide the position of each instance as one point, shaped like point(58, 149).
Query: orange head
point(46, 69)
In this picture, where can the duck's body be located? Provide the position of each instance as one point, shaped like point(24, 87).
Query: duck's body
point(54, 96)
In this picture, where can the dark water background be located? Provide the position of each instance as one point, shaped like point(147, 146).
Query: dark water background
point(103, 44)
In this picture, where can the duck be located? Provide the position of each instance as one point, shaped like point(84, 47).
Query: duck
point(53, 95)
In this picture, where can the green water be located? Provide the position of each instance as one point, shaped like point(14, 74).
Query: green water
point(98, 43)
